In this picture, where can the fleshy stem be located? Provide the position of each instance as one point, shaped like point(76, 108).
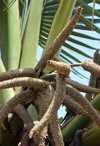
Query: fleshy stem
point(23, 72)
point(56, 132)
point(24, 81)
point(54, 124)
point(92, 81)
point(24, 115)
point(74, 106)
point(78, 97)
point(82, 88)
point(42, 102)
point(19, 98)
point(54, 106)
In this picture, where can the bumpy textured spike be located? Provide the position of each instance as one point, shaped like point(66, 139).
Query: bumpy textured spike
point(42, 102)
point(59, 41)
point(71, 104)
point(19, 98)
point(82, 88)
point(74, 106)
point(62, 68)
point(78, 97)
point(56, 132)
point(54, 124)
point(23, 72)
point(24, 81)
point(92, 67)
point(24, 115)
point(92, 81)
point(54, 106)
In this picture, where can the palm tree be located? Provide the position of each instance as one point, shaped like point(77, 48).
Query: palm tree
point(23, 26)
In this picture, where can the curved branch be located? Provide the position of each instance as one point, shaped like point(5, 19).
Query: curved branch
point(54, 106)
point(24, 81)
point(82, 88)
point(56, 132)
point(42, 102)
point(54, 124)
point(74, 106)
point(19, 98)
point(23, 72)
point(78, 97)
point(92, 81)
point(24, 115)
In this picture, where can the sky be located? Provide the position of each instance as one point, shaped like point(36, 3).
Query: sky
point(96, 44)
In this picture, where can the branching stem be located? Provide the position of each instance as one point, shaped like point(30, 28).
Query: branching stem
point(54, 106)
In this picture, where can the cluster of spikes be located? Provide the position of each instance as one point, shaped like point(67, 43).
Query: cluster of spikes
point(48, 91)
